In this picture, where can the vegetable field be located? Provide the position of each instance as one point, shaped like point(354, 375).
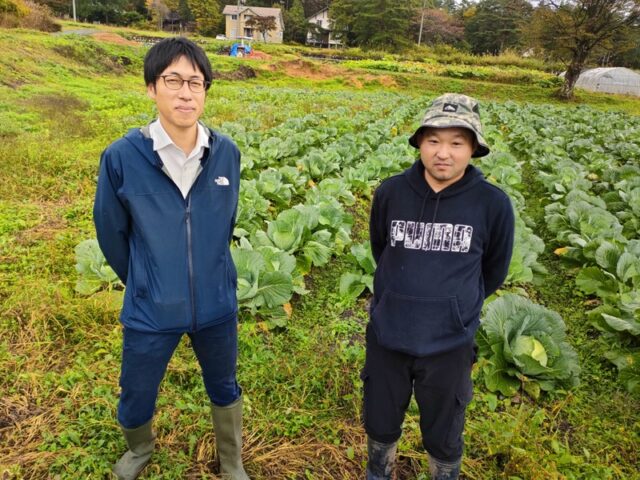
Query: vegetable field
point(558, 380)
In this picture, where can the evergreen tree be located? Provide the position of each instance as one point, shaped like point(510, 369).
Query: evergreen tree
point(343, 14)
point(384, 24)
point(496, 25)
point(295, 23)
point(184, 11)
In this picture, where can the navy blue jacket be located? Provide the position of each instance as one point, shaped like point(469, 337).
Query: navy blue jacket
point(172, 253)
point(439, 256)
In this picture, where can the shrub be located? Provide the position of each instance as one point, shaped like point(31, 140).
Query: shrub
point(40, 17)
point(27, 14)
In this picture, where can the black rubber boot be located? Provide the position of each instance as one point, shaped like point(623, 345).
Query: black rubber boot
point(444, 470)
point(382, 458)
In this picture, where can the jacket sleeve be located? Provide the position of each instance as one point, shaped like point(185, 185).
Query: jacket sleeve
point(111, 219)
point(235, 210)
point(496, 258)
point(377, 228)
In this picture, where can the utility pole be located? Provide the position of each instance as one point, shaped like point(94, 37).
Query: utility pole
point(238, 27)
point(424, 5)
point(74, 10)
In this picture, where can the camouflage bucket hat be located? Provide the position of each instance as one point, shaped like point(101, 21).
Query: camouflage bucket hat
point(454, 110)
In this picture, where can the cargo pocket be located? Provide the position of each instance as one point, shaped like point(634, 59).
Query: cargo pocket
point(462, 399)
point(415, 325)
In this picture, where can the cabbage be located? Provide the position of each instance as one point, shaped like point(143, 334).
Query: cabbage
point(526, 345)
point(523, 345)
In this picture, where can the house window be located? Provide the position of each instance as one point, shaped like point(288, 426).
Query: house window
point(248, 32)
point(234, 17)
point(248, 17)
point(319, 22)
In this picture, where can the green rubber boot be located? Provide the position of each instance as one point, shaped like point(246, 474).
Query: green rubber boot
point(140, 441)
point(227, 425)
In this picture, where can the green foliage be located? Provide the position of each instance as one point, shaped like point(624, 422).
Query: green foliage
point(352, 19)
point(482, 21)
point(353, 283)
point(14, 7)
point(523, 345)
point(207, 15)
point(592, 184)
point(296, 23)
point(93, 271)
point(267, 278)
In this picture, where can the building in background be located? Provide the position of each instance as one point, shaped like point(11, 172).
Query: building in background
point(240, 18)
point(319, 33)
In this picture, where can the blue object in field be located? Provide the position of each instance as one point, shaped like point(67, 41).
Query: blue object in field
point(239, 48)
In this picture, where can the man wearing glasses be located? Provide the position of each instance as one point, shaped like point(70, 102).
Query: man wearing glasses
point(164, 213)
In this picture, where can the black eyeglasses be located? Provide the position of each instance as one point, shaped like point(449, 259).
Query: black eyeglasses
point(175, 82)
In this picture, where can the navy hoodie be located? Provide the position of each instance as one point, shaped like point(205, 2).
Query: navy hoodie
point(439, 256)
point(171, 252)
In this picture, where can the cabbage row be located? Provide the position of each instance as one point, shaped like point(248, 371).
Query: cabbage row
point(298, 180)
point(588, 161)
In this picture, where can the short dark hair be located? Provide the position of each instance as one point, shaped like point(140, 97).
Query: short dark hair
point(169, 50)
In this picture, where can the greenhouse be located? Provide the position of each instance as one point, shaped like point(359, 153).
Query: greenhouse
point(610, 80)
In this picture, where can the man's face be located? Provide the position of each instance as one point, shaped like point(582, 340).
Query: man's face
point(445, 154)
point(178, 109)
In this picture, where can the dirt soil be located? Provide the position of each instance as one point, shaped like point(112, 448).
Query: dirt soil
point(114, 38)
point(242, 73)
point(259, 55)
point(315, 71)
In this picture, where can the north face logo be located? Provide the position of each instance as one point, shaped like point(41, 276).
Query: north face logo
point(450, 107)
point(222, 181)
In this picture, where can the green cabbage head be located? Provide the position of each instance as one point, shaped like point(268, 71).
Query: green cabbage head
point(523, 345)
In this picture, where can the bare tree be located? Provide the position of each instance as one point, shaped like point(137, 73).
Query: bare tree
point(575, 30)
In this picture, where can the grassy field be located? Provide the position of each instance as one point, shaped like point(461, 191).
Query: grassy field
point(62, 100)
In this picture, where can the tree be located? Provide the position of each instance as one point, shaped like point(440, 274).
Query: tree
point(184, 11)
point(207, 15)
point(343, 15)
point(262, 24)
point(295, 23)
point(439, 26)
point(574, 31)
point(629, 58)
point(59, 7)
point(374, 24)
point(158, 10)
point(496, 25)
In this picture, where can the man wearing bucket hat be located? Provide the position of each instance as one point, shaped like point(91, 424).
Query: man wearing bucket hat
point(442, 237)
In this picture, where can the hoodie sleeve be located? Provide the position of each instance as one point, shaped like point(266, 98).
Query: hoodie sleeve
point(496, 259)
point(377, 228)
point(111, 219)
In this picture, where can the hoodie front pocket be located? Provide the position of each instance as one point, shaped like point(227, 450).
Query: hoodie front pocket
point(417, 325)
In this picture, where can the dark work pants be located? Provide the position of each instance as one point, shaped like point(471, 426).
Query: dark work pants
point(145, 357)
point(442, 386)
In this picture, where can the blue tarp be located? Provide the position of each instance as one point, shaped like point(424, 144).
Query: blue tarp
point(237, 47)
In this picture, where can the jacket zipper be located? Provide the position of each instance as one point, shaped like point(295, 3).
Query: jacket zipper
point(192, 293)
point(190, 264)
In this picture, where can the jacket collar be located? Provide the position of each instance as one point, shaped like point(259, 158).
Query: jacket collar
point(141, 139)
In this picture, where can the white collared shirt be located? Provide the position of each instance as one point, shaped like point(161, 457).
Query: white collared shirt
point(182, 169)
